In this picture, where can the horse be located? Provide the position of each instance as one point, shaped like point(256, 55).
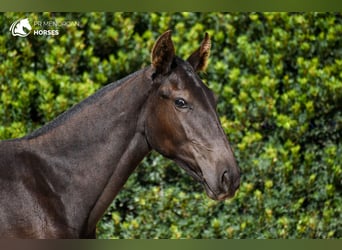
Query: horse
point(58, 181)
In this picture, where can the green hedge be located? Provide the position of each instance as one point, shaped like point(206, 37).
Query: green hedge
point(278, 77)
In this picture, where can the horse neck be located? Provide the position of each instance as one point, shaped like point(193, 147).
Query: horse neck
point(92, 149)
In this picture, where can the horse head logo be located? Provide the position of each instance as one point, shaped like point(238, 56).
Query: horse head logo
point(21, 28)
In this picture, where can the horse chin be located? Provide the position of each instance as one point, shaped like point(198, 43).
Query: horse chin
point(189, 170)
point(220, 197)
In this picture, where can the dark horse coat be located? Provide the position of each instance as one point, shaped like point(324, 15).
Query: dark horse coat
point(58, 181)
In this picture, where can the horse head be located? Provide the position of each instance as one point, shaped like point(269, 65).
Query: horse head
point(181, 120)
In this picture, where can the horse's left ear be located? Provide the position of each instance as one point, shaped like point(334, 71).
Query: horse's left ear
point(199, 59)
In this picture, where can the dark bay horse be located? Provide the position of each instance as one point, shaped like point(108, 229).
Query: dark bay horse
point(58, 181)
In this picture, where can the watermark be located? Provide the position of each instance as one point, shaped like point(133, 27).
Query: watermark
point(21, 28)
point(24, 27)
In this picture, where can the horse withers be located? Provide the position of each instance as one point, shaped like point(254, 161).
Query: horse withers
point(58, 181)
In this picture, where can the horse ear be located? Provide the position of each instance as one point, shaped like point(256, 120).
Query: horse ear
point(163, 53)
point(199, 59)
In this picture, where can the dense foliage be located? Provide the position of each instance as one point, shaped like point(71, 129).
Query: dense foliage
point(278, 77)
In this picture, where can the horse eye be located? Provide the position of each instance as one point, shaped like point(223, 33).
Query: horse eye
point(181, 103)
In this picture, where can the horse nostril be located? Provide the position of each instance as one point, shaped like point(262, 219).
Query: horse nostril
point(230, 181)
point(225, 177)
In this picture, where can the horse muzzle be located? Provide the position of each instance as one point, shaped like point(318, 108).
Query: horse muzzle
point(223, 188)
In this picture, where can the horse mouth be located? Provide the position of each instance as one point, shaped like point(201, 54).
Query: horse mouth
point(199, 177)
point(217, 197)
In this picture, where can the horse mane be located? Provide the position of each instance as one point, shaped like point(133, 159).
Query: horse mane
point(63, 117)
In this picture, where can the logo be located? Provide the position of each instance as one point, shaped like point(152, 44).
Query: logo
point(21, 28)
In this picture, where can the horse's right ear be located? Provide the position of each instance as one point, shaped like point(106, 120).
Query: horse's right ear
point(199, 59)
point(163, 53)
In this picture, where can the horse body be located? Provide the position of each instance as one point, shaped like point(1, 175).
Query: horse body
point(58, 181)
